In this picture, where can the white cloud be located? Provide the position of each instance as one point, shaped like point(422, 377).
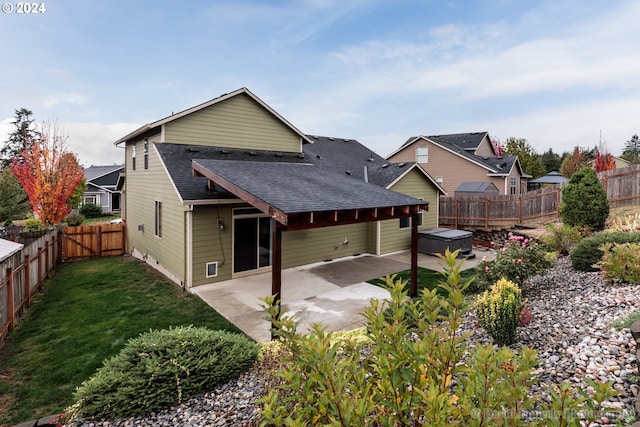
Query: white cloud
point(64, 98)
point(93, 142)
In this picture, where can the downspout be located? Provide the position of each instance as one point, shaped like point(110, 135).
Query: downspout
point(188, 283)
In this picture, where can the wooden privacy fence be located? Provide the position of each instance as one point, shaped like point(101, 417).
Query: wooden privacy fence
point(88, 241)
point(622, 187)
point(22, 274)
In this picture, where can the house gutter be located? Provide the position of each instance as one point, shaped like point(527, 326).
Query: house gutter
point(188, 282)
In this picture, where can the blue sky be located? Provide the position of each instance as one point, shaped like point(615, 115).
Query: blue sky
point(558, 73)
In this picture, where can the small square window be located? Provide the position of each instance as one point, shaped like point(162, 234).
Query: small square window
point(405, 223)
point(212, 269)
point(422, 154)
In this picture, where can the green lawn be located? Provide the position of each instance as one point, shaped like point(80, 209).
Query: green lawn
point(426, 278)
point(85, 315)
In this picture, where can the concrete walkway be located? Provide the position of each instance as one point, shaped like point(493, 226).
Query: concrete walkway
point(331, 293)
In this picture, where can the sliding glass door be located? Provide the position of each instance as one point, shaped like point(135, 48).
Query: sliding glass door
point(251, 240)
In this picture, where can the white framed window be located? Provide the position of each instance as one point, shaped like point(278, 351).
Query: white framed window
point(422, 154)
point(133, 156)
point(158, 219)
point(440, 180)
point(406, 222)
point(90, 199)
point(512, 186)
point(212, 269)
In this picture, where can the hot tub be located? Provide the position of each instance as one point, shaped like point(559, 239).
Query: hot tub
point(437, 240)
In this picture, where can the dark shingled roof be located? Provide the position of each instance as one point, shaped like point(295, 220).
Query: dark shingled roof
point(550, 178)
point(177, 159)
point(93, 172)
point(294, 187)
point(466, 141)
point(348, 156)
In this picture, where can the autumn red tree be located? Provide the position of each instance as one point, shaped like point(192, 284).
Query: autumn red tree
point(49, 173)
point(574, 162)
point(603, 161)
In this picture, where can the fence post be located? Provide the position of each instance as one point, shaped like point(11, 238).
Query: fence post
point(455, 207)
point(520, 209)
point(40, 279)
point(486, 213)
point(10, 300)
point(46, 258)
point(100, 241)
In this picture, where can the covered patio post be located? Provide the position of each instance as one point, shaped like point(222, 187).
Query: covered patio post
point(414, 255)
point(276, 268)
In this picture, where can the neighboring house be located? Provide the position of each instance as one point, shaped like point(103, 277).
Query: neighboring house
point(464, 157)
point(476, 189)
point(101, 187)
point(229, 188)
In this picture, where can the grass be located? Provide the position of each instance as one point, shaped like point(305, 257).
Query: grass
point(105, 218)
point(85, 314)
point(427, 278)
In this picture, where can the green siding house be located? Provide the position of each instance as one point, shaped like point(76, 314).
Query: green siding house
point(205, 189)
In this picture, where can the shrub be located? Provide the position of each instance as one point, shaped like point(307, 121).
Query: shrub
point(399, 376)
point(498, 311)
point(74, 219)
point(584, 201)
point(519, 259)
point(587, 253)
point(628, 223)
point(621, 263)
point(91, 210)
point(31, 225)
point(162, 368)
point(561, 238)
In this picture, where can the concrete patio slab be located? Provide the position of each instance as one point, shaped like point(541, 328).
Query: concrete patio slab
point(332, 293)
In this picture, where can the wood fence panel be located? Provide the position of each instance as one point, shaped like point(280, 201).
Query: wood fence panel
point(622, 187)
point(90, 241)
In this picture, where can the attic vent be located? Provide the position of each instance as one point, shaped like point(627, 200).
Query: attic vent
point(225, 151)
point(348, 172)
point(300, 155)
point(371, 159)
point(401, 165)
point(253, 153)
point(193, 150)
point(345, 140)
point(318, 156)
point(499, 157)
point(332, 139)
point(278, 154)
point(485, 158)
point(385, 165)
point(315, 136)
point(503, 165)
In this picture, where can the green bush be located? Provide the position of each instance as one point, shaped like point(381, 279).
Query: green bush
point(31, 225)
point(587, 253)
point(498, 311)
point(561, 238)
point(519, 259)
point(74, 219)
point(584, 201)
point(621, 262)
point(163, 368)
point(91, 210)
point(400, 377)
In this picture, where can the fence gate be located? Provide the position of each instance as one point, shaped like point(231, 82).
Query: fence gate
point(88, 241)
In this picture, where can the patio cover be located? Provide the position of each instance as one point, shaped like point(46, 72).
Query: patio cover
point(299, 196)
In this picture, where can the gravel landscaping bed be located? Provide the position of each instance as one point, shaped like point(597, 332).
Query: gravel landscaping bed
point(571, 329)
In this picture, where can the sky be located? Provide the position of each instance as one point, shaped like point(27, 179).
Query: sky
point(558, 73)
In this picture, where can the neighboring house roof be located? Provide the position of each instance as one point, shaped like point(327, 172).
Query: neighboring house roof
point(498, 165)
point(93, 172)
point(8, 248)
point(550, 178)
point(477, 187)
point(467, 141)
point(209, 103)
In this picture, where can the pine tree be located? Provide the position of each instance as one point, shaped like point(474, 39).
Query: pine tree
point(631, 152)
point(22, 138)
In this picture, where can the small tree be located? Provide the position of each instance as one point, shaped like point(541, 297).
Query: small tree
point(76, 198)
point(529, 160)
point(551, 161)
point(603, 160)
point(574, 162)
point(49, 174)
point(584, 201)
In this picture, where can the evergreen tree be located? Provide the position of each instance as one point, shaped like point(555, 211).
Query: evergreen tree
point(631, 152)
point(14, 202)
point(584, 201)
point(22, 138)
point(551, 161)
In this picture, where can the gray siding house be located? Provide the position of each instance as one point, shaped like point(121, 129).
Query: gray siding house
point(102, 187)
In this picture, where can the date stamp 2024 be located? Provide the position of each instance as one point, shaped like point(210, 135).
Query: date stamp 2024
point(24, 8)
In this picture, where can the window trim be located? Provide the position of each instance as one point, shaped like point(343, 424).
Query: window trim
point(145, 153)
point(133, 156)
point(424, 155)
